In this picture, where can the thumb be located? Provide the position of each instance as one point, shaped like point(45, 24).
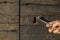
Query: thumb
point(50, 24)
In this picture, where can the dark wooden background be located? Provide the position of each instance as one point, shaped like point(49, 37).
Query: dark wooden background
point(9, 10)
point(50, 9)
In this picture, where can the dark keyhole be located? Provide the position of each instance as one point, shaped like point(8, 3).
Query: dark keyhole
point(34, 20)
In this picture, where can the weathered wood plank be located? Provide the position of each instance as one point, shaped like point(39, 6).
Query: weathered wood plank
point(9, 0)
point(12, 9)
point(9, 13)
point(40, 10)
point(36, 33)
point(9, 9)
point(9, 36)
point(53, 2)
point(28, 20)
point(9, 19)
point(9, 16)
point(9, 27)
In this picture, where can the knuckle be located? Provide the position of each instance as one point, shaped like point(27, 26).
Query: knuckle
point(55, 31)
point(50, 30)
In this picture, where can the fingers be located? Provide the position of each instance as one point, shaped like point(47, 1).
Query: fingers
point(57, 31)
point(54, 28)
point(50, 28)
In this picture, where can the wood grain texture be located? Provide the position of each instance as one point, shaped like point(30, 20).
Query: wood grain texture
point(8, 27)
point(52, 2)
point(9, 24)
point(29, 12)
point(9, 9)
point(9, 0)
point(8, 19)
point(28, 20)
point(40, 10)
point(50, 9)
point(36, 33)
point(8, 36)
point(9, 15)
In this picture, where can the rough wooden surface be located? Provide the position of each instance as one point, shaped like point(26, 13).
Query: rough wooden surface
point(9, 24)
point(40, 10)
point(28, 19)
point(9, 36)
point(53, 2)
point(9, 0)
point(9, 14)
point(50, 9)
point(37, 33)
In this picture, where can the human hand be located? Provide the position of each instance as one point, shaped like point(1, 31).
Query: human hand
point(55, 27)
